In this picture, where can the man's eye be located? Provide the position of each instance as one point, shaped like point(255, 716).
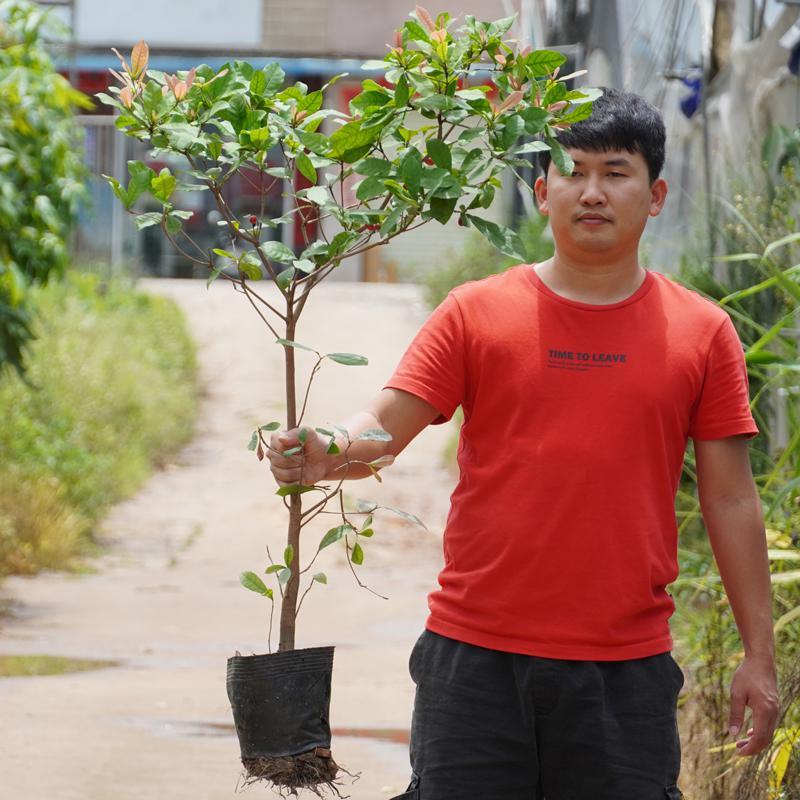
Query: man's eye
point(617, 174)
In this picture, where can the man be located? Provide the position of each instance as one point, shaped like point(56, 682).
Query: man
point(545, 668)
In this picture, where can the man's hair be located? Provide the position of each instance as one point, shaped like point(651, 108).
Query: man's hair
point(619, 121)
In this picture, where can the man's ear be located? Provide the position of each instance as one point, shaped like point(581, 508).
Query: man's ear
point(540, 189)
point(658, 196)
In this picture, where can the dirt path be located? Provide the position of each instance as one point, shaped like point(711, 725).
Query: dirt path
point(165, 600)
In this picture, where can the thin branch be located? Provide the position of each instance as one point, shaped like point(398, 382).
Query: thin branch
point(308, 389)
point(175, 244)
point(264, 302)
point(300, 604)
point(349, 560)
point(247, 292)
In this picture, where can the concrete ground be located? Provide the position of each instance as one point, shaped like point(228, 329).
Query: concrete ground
point(164, 600)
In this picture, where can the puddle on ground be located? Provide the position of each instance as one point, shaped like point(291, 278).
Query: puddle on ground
point(213, 729)
point(32, 666)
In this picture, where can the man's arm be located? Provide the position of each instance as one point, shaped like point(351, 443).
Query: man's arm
point(399, 413)
point(733, 517)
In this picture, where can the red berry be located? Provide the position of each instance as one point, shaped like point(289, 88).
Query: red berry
point(428, 160)
point(253, 219)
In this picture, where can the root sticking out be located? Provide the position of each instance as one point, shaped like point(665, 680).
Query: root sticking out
point(315, 771)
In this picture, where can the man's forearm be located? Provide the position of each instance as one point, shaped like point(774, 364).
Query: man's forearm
point(363, 450)
point(736, 531)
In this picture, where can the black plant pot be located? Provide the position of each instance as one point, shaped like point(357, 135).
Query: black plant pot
point(281, 706)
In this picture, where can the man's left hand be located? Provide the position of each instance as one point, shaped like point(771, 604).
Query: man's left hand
point(755, 685)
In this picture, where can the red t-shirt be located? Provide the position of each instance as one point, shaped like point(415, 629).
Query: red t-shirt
point(561, 538)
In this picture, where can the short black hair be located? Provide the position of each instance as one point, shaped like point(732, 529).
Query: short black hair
point(619, 121)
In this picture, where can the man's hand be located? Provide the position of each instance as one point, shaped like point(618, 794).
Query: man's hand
point(754, 684)
point(308, 466)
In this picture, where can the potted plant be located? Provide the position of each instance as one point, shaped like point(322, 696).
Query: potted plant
point(427, 143)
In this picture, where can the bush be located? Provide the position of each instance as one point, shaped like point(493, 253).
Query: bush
point(110, 390)
point(41, 168)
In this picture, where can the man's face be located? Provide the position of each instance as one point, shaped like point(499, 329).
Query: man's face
point(603, 206)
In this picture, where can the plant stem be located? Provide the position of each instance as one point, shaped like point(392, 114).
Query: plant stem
point(289, 605)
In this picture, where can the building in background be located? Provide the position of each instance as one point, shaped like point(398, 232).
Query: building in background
point(720, 70)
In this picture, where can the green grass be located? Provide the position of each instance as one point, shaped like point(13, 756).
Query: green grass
point(31, 666)
point(110, 392)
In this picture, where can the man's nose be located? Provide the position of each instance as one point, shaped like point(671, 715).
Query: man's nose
point(593, 192)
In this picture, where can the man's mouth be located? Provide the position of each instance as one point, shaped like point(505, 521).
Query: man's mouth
point(593, 219)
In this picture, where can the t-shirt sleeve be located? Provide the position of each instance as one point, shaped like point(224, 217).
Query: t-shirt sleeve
point(723, 407)
point(432, 367)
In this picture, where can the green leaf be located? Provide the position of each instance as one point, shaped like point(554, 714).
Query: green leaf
point(173, 224)
point(164, 185)
point(334, 535)
point(401, 93)
point(357, 556)
point(253, 441)
point(439, 153)
point(374, 435)
point(320, 577)
point(270, 426)
point(215, 273)
point(287, 343)
point(182, 135)
point(284, 278)
point(504, 239)
point(405, 515)
point(146, 220)
point(306, 168)
point(544, 62)
point(333, 449)
point(530, 147)
point(258, 83)
point(348, 359)
point(436, 102)
point(576, 114)
point(272, 568)
point(411, 170)
point(373, 167)
point(224, 254)
point(367, 533)
point(304, 265)
point(277, 251)
point(284, 575)
point(250, 266)
point(318, 195)
point(252, 582)
point(441, 208)
point(294, 488)
point(288, 555)
point(369, 188)
point(275, 78)
point(141, 178)
point(351, 138)
point(561, 158)
point(370, 99)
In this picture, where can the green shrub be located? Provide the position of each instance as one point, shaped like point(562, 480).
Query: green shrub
point(41, 167)
point(110, 389)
